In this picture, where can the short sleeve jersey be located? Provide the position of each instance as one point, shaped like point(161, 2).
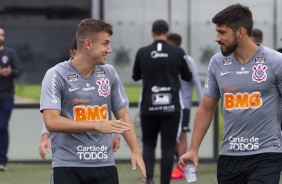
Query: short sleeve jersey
point(84, 100)
point(250, 95)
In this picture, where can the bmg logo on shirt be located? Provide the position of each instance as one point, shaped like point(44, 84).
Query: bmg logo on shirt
point(92, 152)
point(242, 101)
point(91, 113)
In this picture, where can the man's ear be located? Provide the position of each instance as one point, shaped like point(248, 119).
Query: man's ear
point(87, 44)
point(241, 32)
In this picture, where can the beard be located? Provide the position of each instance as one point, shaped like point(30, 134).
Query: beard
point(231, 48)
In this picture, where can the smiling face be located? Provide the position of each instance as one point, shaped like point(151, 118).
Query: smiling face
point(227, 39)
point(100, 48)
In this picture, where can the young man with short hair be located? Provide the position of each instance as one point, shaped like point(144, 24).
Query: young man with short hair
point(77, 99)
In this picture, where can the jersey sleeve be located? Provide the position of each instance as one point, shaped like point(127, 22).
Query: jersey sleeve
point(119, 98)
point(211, 86)
point(51, 91)
point(16, 66)
point(195, 80)
point(137, 74)
point(185, 72)
point(44, 129)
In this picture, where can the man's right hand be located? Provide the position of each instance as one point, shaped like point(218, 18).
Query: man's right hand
point(113, 126)
point(190, 155)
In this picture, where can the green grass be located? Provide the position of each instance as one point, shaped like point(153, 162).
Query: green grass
point(28, 91)
point(40, 174)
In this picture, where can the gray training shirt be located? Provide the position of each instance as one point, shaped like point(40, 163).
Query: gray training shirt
point(250, 95)
point(84, 100)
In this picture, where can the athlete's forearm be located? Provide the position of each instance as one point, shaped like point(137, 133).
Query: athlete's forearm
point(201, 125)
point(131, 139)
point(54, 122)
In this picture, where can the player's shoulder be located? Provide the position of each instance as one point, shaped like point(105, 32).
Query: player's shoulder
point(270, 53)
point(145, 48)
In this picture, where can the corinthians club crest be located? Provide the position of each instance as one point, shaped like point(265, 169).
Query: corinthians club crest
point(104, 88)
point(259, 73)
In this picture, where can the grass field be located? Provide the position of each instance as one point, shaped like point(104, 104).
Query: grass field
point(40, 174)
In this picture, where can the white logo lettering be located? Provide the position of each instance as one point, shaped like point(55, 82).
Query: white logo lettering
point(244, 144)
point(155, 54)
point(92, 152)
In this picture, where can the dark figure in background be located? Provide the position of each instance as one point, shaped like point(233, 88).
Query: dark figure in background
point(159, 66)
point(9, 70)
point(186, 93)
point(257, 36)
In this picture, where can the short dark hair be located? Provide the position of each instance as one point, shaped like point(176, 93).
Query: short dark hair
point(73, 45)
point(279, 50)
point(160, 27)
point(235, 16)
point(88, 28)
point(175, 39)
point(257, 35)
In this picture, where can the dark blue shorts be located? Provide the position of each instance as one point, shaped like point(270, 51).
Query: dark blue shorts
point(262, 168)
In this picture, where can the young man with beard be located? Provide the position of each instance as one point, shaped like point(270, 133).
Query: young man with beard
point(10, 69)
point(77, 99)
point(248, 80)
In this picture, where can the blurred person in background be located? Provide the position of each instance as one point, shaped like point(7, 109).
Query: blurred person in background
point(186, 94)
point(10, 69)
point(257, 36)
point(159, 65)
point(248, 79)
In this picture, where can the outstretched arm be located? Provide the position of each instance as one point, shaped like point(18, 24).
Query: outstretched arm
point(202, 123)
point(131, 139)
point(57, 123)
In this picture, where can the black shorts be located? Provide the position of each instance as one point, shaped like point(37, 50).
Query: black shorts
point(262, 168)
point(84, 175)
point(185, 120)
